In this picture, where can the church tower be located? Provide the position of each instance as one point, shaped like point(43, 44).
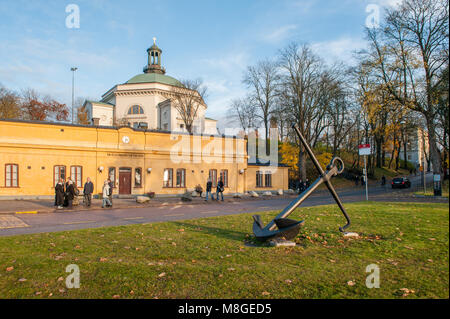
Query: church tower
point(154, 60)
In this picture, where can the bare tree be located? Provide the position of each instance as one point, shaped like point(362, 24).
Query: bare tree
point(303, 91)
point(262, 80)
point(188, 99)
point(243, 112)
point(416, 37)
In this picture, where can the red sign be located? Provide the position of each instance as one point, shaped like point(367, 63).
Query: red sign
point(364, 149)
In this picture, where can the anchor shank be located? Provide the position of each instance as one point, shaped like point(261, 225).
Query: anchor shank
point(301, 198)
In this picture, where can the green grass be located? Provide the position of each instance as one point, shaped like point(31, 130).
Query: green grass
point(430, 191)
point(213, 257)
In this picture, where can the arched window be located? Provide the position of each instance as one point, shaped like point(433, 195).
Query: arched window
point(135, 109)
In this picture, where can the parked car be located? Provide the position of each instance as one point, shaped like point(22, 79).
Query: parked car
point(401, 182)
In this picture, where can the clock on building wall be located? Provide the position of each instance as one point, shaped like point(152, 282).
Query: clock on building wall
point(126, 139)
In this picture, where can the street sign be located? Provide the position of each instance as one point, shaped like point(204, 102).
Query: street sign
point(364, 149)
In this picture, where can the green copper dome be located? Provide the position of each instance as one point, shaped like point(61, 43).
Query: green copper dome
point(154, 78)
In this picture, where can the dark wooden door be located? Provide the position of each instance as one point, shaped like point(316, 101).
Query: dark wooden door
point(124, 181)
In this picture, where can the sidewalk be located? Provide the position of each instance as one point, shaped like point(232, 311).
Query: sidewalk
point(46, 205)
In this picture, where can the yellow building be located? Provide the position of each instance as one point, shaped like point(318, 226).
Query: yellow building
point(33, 155)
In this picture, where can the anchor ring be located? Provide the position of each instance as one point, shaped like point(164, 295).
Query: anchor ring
point(338, 163)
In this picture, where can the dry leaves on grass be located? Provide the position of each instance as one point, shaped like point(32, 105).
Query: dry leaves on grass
point(265, 293)
point(406, 291)
point(162, 275)
point(102, 259)
point(350, 283)
point(10, 268)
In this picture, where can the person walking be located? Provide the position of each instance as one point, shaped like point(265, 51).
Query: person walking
point(208, 190)
point(363, 182)
point(87, 192)
point(111, 188)
point(219, 189)
point(70, 193)
point(105, 193)
point(59, 194)
point(356, 180)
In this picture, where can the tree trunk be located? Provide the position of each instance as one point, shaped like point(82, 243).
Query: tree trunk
point(434, 154)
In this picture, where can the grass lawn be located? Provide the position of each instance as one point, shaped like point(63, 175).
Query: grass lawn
point(430, 191)
point(213, 258)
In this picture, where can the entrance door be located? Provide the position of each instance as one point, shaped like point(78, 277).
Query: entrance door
point(124, 180)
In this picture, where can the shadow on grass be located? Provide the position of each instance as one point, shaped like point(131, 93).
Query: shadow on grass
point(218, 232)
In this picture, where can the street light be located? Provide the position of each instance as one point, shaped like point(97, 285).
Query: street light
point(73, 69)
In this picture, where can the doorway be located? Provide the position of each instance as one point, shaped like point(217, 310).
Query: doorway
point(124, 180)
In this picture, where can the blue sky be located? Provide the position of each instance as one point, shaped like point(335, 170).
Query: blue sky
point(212, 40)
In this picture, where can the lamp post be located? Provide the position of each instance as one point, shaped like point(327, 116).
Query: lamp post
point(73, 69)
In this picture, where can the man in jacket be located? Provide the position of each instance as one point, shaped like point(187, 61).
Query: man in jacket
point(219, 189)
point(208, 190)
point(87, 192)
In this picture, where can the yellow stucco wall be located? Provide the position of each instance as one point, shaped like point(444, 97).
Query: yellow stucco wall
point(279, 178)
point(38, 147)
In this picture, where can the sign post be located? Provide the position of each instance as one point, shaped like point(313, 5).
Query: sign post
point(364, 149)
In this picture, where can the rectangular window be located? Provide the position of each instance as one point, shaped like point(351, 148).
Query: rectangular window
point(59, 172)
point(259, 179)
point(181, 177)
point(112, 175)
point(213, 177)
point(76, 174)
point(138, 177)
point(268, 179)
point(168, 177)
point(11, 175)
point(224, 177)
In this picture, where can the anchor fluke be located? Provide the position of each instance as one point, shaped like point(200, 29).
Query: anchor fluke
point(287, 228)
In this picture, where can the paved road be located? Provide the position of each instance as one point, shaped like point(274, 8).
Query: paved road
point(51, 222)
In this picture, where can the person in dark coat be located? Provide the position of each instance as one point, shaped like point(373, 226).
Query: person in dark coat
point(59, 194)
point(70, 192)
point(66, 199)
point(219, 189)
point(363, 182)
point(87, 192)
point(111, 188)
point(208, 190)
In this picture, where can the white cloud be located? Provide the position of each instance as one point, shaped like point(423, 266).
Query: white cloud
point(232, 62)
point(341, 49)
point(387, 3)
point(280, 33)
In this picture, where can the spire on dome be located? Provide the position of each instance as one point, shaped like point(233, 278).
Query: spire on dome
point(154, 60)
